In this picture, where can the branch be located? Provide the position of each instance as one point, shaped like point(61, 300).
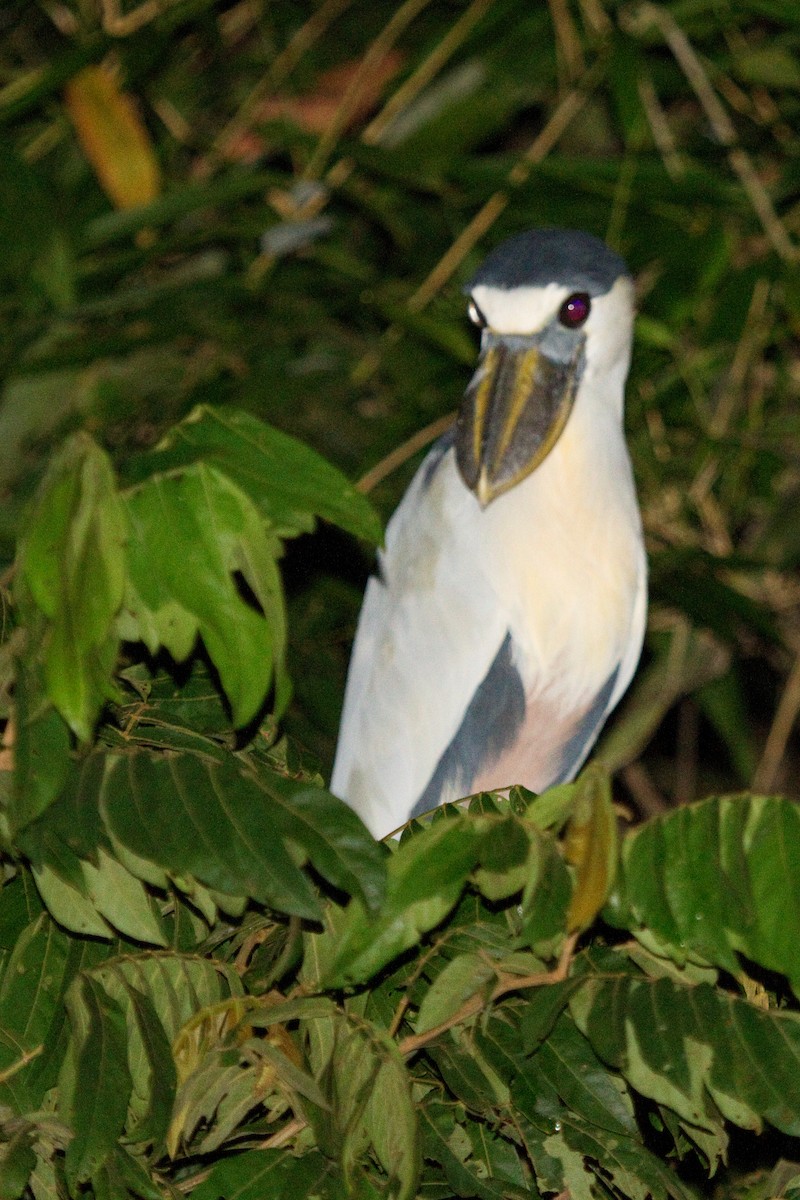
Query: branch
point(505, 983)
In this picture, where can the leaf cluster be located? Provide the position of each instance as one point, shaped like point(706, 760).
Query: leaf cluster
point(438, 1030)
point(212, 981)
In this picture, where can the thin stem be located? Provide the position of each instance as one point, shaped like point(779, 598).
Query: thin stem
point(397, 457)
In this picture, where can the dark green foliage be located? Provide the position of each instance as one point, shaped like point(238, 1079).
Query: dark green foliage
point(212, 981)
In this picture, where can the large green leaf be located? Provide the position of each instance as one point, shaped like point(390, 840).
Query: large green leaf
point(83, 883)
point(17, 1162)
point(274, 1173)
point(67, 901)
point(233, 829)
point(122, 1176)
point(459, 979)
point(468, 1076)
point(42, 751)
point(466, 1173)
point(372, 1107)
point(177, 986)
point(73, 566)
point(695, 1049)
point(195, 817)
point(96, 1084)
point(717, 879)
point(122, 899)
point(286, 480)
point(19, 907)
point(191, 533)
point(577, 1121)
point(158, 995)
point(150, 1059)
point(34, 983)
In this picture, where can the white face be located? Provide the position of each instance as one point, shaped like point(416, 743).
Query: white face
point(527, 310)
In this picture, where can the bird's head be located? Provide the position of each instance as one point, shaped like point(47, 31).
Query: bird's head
point(555, 307)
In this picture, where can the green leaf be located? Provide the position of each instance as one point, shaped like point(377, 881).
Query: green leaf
point(287, 481)
point(697, 1050)
point(718, 878)
point(69, 904)
point(545, 901)
point(274, 1173)
point(373, 1108)
point(38, 972)
point(72, 563)
point(509, 859)
point(19, 906)
point(152, 1069)
point(46, 1180)
point(575, 1115)
point(42, 751)
point(122, 900)
point(213, 1100)
point(425, 877)
point(464, 1177)
point(37, 978)
point(190, 534)
point(635, 1172)
point(167, 1000)
point(543, 1007)
point(71, 830)
point(328, 834)
point(305, 1008)
point(178, 986)
point(233, 829)
point(196, 817)
point(459, 979)
point(96, 1098)
point(468, 1075)
point(82, 882)
point(295, 1079)
point(17, 1161)
point(582, 1082)
point(124, 1176)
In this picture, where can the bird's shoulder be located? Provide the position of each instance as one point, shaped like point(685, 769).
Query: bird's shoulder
point(429, 630)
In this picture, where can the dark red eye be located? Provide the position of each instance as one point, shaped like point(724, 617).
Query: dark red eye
point(575, 310)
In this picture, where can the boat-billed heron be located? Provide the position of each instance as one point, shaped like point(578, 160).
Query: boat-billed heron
point(506, 617)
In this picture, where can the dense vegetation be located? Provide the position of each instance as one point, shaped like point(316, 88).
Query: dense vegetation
point(232, 242)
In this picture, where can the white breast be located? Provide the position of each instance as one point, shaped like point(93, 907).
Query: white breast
point(565, 553)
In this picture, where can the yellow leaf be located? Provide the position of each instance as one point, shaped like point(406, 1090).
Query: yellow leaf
point(204, 1031)
point(590, 846)
point(113, 138)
